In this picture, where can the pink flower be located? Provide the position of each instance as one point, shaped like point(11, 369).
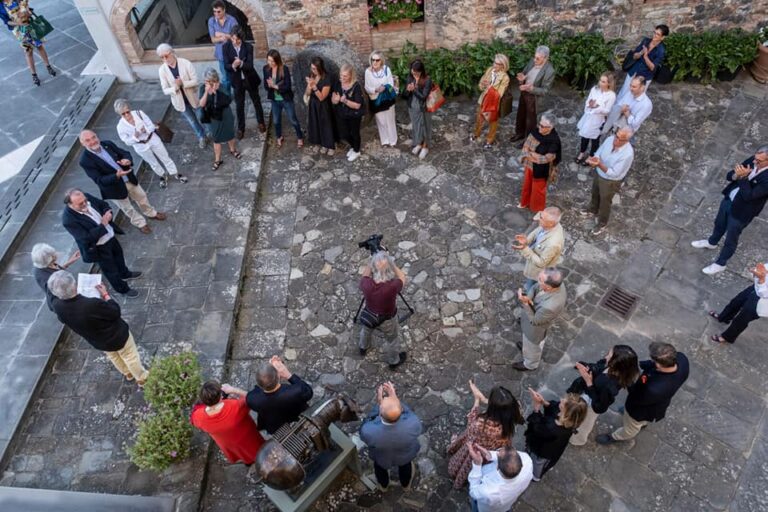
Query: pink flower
point(384, 7)
point(174, 453)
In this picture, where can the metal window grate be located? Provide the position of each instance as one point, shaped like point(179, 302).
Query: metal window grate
point(620, 301)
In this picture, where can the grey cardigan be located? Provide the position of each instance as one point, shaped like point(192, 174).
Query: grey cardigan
point(543, 81)
point(394, 444)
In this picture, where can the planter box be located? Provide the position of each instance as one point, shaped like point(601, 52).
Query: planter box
point(759, 68)
point(394, 26)
point(393, 39)
point(726, 76)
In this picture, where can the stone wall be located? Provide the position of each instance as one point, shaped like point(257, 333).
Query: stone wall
point(393, 41)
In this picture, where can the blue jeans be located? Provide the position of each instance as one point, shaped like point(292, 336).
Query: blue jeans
point(277, 117)
point(726, 224)
point(191, 117)
point(224, 79)
point(475, 508)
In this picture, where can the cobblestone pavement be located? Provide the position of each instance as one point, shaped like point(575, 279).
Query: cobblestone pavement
point(449, 220)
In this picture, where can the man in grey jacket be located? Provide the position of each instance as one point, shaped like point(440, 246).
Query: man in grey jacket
point(535, 81)
point(541, 307)
point(391, 432)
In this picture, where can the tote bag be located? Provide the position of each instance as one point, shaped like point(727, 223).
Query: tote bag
point(435, 99)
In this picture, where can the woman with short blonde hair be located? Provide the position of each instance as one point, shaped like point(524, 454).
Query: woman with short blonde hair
point(379, 77)
point(596, 109)
point(492, 85)
point(348, 98)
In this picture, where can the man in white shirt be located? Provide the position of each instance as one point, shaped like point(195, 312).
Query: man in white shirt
point(497, 478)
point(611, 164)
point(630, 110)
point(750, 304)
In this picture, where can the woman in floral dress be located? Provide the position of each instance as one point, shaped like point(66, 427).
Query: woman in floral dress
point(17, 15)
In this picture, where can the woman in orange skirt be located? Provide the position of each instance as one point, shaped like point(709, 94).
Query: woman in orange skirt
point(541, 154)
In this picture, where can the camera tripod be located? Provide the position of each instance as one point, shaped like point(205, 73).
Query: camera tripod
point(400, 319)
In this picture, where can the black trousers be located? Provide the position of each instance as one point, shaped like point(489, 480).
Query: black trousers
point(585, 142)
point(404, 474)
point(350, 131)
point(739, 312)
point(525, 120)
point(240, 104)
point(112, 263)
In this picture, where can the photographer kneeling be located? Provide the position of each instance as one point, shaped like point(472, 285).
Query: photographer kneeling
point(381, 282)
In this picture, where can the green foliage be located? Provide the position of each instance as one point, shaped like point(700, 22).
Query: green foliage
point(703, 55)
point(163, 439)
point(165, 435)
point(384, 11)
point(173, 382)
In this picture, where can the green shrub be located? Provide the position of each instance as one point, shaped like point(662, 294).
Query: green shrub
point(163, 439)
point(173, 382)
point(705, 54)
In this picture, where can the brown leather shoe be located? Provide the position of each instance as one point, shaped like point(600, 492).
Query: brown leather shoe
point(145, 229)
point(516, 138)
point(159, 216)
point(262, 127)
point(240, 134)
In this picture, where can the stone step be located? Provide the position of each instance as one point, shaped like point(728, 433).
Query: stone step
point(19, 499)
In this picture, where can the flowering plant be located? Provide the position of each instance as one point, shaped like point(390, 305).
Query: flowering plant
point(383, 11)
point(763, 35)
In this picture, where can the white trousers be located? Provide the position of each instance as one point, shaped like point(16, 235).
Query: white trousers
point(385, 122)
point(154, 150)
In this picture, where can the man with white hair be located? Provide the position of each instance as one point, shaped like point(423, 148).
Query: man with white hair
point(381, 281)
point(611, 164)
point(535, 81)
point(99, 322)
point(542, 247)
point(44, 260)
point(179, 81)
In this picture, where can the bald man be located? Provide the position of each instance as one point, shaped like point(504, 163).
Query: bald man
point(391, 432)
point(111, 168)
point(542, 247)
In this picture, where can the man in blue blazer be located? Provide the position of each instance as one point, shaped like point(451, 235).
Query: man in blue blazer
point(238, 61)
point(89, 221)
point(744, 199)
point(111, 168)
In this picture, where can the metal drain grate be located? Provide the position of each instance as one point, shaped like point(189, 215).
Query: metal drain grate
point(619, 301)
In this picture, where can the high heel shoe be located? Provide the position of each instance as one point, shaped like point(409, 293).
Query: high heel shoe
point(50, 69)
point(35, 79)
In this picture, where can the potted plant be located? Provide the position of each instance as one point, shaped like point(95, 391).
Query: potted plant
point(759, 68)
point(391, 15)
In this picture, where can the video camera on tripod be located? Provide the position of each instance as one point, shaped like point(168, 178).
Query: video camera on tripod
point(373, 245)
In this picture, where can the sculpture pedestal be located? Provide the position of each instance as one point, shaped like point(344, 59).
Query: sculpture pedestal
point(344, 455)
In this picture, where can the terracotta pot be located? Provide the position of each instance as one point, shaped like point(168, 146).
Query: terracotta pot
point(394, 26)
point(759, 66)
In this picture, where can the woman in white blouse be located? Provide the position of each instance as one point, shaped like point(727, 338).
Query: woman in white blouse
point(377, 76)
point(136, 129)
point(598, 106)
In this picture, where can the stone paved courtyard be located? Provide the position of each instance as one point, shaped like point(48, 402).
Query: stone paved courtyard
point(449, 220)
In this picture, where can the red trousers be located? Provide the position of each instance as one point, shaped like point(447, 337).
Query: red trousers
point(534, 193)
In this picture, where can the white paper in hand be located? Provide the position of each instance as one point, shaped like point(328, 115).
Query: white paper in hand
point(86, 285)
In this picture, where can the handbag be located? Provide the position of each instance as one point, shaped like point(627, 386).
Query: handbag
point(505, 104)
point(40, 25)
point(435, 99)
point(369, 319)
point(384, 100)
point(165, 133)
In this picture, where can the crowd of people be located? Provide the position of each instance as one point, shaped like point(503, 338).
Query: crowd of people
point(482, 456)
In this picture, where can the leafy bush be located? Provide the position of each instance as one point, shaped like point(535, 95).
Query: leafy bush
point(173, 382)
point(384, 11)
point(703, 55)
point(163, 439)
point(165, 435)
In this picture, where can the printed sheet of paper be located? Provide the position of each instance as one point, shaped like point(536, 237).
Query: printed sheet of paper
point(86, 285)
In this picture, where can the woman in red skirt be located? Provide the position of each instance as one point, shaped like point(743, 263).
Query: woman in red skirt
point(541, 154)
point(228, 422)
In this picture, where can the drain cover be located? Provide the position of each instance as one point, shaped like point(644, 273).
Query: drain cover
point(619, 301)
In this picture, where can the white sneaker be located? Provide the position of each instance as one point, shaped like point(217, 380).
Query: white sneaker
point(352, 156)
point(713, 269)
point(350, 152)
point(416, 150)
point(703, 244)
point(423, 153)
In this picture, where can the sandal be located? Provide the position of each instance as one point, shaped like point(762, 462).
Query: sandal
point(714, 315)
point(35, 79)
point(300, 143)
point(217, 164)
point(236, 154)
point(718, 339)
point(280, 141)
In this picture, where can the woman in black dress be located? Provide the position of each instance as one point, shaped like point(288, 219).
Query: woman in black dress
point(550, 426)
point(348, 98)
point(216, 113)
point(318, 98)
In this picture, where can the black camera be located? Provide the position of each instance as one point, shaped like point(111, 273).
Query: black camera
point(373, 244)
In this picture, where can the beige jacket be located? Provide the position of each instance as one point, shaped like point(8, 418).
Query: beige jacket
point(546, 253)
point(500, 84)
point(189, 78)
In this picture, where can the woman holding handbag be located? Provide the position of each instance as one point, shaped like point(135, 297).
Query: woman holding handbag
point(17, 15)
point(492, 85)
point(491, 429)
point(317, 96)
point(348, 98)
point(378, 79)
point(542, 152)
point(136, 129)
point(416, 91)
point(215, 111)
point(596, 109)
point(277, 81)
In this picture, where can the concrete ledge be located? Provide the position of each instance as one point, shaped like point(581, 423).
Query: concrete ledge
point(15, 499)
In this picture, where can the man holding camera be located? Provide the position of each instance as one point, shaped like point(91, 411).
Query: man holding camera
point(381, 282)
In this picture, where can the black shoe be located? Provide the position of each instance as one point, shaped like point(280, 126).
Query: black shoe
point(131, 293)
point(181, 178)
point(605, 439)
point(519, 345)
point(363, 351)
point(519, 366)
point(51, 71)
point(35, 79)
point(403, 356)
point(133, 275)
point(516, 138)
point(163, 183)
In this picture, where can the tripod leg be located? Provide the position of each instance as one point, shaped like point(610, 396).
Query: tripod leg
point(359, 308)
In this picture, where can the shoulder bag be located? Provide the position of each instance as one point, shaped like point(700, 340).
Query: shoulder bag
point(435, 99)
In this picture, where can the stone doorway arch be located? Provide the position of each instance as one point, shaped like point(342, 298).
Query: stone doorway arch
point(119, 20)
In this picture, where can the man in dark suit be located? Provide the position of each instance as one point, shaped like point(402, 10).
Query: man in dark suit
point(111, 168)
point(89, 221)
point(238, 61)
point(750, 304)
point(743, 200)
point(277, 403)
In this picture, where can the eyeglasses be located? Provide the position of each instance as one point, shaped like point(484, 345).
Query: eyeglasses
point(126, 112)
point(375, 60)
point(545, 126)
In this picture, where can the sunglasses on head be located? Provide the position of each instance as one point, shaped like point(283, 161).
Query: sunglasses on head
point(376, 60)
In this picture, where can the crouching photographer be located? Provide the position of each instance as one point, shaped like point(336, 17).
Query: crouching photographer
point(381, 283)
